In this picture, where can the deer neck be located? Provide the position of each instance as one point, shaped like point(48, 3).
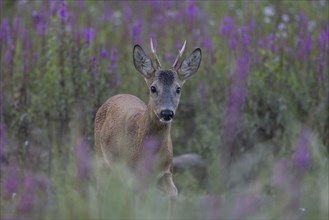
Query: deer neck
point(151, 127)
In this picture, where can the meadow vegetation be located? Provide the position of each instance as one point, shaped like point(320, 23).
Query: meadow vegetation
point(257, 110)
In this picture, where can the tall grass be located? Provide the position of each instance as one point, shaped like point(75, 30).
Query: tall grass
point(257, 111)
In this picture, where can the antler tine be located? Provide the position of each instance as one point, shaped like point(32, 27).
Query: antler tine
point(154, 54)
point(180, 54)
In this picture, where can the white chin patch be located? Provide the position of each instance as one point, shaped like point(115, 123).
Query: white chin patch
point(164, 121)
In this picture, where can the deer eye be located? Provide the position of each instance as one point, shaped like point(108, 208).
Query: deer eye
point(178, 90)
point(153, 89)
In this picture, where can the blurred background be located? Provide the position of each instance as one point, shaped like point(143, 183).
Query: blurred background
point(256, 113)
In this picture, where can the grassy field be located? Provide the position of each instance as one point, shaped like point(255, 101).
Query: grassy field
point(257, 111)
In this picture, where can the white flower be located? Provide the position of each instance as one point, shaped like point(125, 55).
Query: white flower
point(285, 17)
point(269, 11)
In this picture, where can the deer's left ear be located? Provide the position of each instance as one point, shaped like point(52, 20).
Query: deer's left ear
point(190, 65)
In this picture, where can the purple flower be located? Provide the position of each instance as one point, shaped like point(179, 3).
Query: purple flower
point(127, 13)
point(81, 4)
point(53, 7)
point(150, 148)
point(4, 29)
point(39, 22)
point(302, 22)
point(323, 46)
point(63, 12)
point(8, 56)
point(3, 140)
point(268, 43)
point(302, 155)
point(323, 40)
point(280, 173)
point(202, 91)
point(207, 43)
point(227, 26)
point(192, 10)
point(115, 77)
point(16, 25)
point(233, 41)
point(26, 201)
point(41, 182)
point(89, 35)
point(114, 59)
point(83, 159)
point(92, 66)
point(245, 205)
point(136, 31)
point(245, 36)
point(211, 206)
point(35, 58)
point(236, 98)
point(25, 64)
point(303, 47)
point(104, 53)
point(12, 179)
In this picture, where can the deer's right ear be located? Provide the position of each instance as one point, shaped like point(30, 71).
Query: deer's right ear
point(142, 62)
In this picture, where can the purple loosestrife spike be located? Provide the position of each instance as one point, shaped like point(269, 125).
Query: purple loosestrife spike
point(150, 148)
point(245, 36)
point(39, 22)
point(53, 7)
point(63, 15)
point(12, 180)
point(4, 30)
point(280, 173)
point(323, 40)
point(3, 140)
point(156, 5)
point(16, 25)
point(323, 46)
point(127, 13)
point(202, 91)
point(26, 201)
point(35, 17)
point(136, 31)
point(83, 159)
point(233, 40)
point(192, 10)
point(25, 64)
point(89, 35)
point(81, 4)
point(104, 53)
point(304, 46)
point(268, 43)
point(207, 43)
point(227, 26)
point(236, 98)
point(9, 52)
point(35, 58)
point(302, 155)
point(114, 59)
point(211, 206)
point(245, 205)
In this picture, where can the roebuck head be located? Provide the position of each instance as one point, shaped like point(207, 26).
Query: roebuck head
point(165, 84)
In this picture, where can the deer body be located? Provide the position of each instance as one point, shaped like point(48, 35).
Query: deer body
point(124, 124)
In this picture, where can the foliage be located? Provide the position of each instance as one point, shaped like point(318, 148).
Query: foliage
point(257, 110)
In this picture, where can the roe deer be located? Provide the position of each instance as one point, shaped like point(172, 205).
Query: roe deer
point(123, 124)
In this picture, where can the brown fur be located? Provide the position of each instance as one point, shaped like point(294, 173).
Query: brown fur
point(122, 124)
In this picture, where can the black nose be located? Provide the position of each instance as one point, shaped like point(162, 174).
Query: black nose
point(167, 115)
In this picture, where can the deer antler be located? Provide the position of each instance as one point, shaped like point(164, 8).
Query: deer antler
point(179, 54)
point(154, 54)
